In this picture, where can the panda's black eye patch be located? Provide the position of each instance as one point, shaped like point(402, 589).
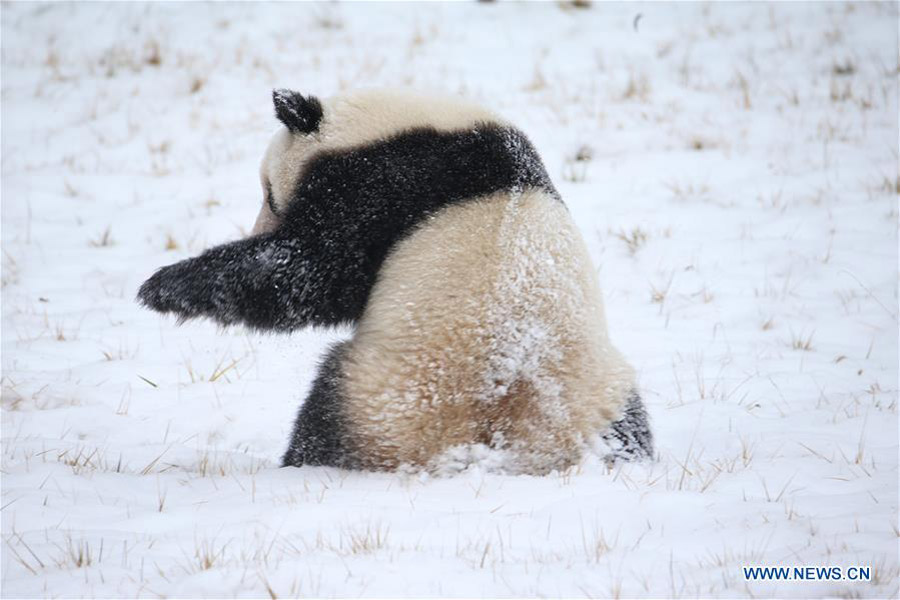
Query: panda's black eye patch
point(270, 199)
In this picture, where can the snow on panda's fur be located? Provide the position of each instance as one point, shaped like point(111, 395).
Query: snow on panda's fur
point(432, 226)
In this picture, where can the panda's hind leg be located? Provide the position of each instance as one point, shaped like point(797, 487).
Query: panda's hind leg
point(630, 438)
point(320, 435)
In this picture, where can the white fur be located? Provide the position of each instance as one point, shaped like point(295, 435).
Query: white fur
point(489, 313)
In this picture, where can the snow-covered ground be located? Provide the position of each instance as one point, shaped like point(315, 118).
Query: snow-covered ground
point(741, 207)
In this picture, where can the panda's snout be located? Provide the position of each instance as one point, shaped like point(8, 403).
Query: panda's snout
point(266, 221)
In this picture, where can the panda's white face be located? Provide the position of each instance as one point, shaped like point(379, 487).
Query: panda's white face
point(351, 121)
point(281, 164)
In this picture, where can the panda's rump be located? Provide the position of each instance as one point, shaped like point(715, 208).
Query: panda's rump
point(485, 326)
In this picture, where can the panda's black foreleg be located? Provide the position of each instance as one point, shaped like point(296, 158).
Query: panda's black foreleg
point(269, 282)
point(630, 438)
point(320, 435)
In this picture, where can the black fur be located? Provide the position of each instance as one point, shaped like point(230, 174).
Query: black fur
point(630, 437)
point(321, 435)
point(350, 207)
point(299, 114)
point(266, 282)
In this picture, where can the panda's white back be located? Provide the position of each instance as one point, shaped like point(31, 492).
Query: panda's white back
point(485, 326)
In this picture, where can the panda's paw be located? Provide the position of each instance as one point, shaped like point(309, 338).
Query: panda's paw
point(293, 457)
point(630, 438)
point(173, 289)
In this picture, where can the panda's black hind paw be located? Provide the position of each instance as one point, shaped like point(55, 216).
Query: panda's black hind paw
point(630, 437)
point(321, 431)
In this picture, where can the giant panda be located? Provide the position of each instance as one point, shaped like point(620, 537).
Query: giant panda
point(430, 225)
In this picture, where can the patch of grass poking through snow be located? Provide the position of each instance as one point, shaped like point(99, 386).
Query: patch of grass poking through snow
point(843, 68)
point(538, 80)
point(197, 83)
point(9, 272)
point(685, 192)
point(222, 367)
point(328, 17)
point(634, 240)
point(596, 545)
point(104, 240)
point(84, 461)
point(160, 497)
point(889, 186)
point(121, 352)
point(74, 554)
point(220, 464)
point(802, 342)
point(637, 88)
point(884, 572)
point(574, 171)
point(575, 166)
point(207, 555)
point(368, 540)
point(659, 293)
point(171, 243)
point(70, 190)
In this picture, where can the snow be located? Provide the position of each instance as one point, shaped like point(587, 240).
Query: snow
point(740, 203)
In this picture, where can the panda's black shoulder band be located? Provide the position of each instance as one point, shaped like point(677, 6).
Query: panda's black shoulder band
point(351, 206)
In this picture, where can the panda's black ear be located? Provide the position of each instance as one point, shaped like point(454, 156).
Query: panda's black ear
point(299, 114)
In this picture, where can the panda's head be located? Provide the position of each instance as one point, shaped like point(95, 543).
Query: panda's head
point(312, 126)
